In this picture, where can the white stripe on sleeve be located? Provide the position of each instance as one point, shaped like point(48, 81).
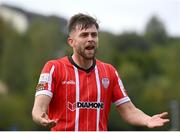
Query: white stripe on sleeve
point(121, 101)
point(121, 85)
point(50, 77)
point(45, 92)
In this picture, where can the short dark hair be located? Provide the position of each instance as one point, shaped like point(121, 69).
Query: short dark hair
point(85, 21)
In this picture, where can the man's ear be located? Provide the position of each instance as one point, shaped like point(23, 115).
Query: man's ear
point(70, 41)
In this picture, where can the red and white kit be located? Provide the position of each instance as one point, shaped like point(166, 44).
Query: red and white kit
point(81, 99)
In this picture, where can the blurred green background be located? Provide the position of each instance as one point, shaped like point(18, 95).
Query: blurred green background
point(148, 63)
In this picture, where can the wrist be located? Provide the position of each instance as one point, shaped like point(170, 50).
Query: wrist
point(147, 121)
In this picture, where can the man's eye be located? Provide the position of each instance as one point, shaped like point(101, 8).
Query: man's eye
point(84, 34)
point(94, 34)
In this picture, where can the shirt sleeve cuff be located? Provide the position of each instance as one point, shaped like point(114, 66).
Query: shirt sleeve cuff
point(121, 101)
point(45, 92)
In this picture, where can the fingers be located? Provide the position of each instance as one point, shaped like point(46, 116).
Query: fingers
point(158, 120)
point(45, 121)
point(163, 114)
point(51, 123)
point(48, 123)
point(166, 120)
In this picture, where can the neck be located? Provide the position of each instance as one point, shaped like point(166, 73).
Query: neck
point(82, 62)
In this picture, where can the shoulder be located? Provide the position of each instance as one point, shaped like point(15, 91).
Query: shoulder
point(106, 68)
point(56, 63)
point(105, 65)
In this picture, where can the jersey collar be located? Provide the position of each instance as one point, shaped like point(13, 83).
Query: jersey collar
point(86, 70)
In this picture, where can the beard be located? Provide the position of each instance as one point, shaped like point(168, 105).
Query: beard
point(86, 53)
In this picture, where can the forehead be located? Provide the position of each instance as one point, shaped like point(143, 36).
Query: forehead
point(78, 29)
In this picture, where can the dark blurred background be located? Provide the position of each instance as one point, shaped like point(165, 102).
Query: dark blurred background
point(148, 63)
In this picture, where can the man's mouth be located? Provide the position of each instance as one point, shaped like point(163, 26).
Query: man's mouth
point(90, 47)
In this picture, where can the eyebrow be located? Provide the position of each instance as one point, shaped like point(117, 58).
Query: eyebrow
point(82, 33)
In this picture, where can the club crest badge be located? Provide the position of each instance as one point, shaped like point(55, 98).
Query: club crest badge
point(105, 82)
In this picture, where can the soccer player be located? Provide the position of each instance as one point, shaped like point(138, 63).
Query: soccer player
point(75, 92)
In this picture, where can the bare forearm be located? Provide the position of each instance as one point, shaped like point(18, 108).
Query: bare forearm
point(134, 116)
point(40, 107)
point(37, 112)
point(137, 118)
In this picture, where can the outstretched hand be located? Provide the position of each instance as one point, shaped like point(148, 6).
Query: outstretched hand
point(157, 120)
point(45, 121)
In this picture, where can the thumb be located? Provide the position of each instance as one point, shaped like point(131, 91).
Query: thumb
point(44, 115)
point(47, 122)
point(44, 119)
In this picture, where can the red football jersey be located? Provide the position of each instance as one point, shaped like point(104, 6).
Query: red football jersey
point(81, 99)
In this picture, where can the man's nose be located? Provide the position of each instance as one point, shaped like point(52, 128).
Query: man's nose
point(90, 38)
